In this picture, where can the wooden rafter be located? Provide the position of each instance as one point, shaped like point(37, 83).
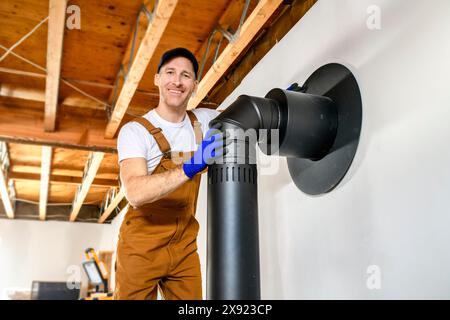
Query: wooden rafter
point(25, 93)
point(56, 22)
point(226, 21)
point(4, 191)
point(24, 125)
point(92, 165)
point(5, 196)
point(58, 179)
point(135, 38)
point(123, 211)
point(7, 90)
point(27, 210)
point(46, 162)
point(73, 81)
point(114, 203)
point(155, 29)
point(249, 30)
point(288, 18)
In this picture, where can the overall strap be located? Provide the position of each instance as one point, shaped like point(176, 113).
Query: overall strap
point(162, 142)
point(197, 127)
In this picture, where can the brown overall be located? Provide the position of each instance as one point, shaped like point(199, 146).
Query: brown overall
point(157, 244)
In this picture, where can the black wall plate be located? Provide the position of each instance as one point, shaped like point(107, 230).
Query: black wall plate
point(321, 176)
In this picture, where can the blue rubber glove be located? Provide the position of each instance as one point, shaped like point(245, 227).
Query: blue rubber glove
point(210, 149)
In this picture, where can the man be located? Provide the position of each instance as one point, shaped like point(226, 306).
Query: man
point(157, 242)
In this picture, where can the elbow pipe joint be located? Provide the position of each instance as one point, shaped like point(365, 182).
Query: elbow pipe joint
point(305, 124)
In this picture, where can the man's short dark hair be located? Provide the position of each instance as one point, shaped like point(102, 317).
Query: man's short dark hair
point(178, 52)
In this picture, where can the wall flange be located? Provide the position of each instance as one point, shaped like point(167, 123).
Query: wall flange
point(336, 82)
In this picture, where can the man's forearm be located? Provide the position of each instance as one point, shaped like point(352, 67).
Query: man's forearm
point(150, 188)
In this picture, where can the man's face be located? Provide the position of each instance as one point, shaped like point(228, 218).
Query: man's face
point(176, 82)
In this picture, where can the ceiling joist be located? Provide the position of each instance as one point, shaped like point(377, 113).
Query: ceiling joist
point(24, 125)
point(56, 22)
point(112, 205)
point(152, 36)
point(46, 162)
point(4, 189)
point(227, 21)
point(59, 179)
point(287, 19)
point(136, 38)
point(25, 93)
point(248, 31)
point(90, 171)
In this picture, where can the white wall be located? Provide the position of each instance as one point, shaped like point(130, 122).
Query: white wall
point(392, 209)
point(47, 251)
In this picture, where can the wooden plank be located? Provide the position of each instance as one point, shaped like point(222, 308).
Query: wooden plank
point(137, 35)
point(162, 14)
point(275, 33)
point(4, 191)
point(24, 125)
point(56, 23)
point(23, 73)
point(80, 101)
point(58, 179)
point(123, 211)
point(7, 204)
point(114, 203)
point(10, 91)
point(74, 100)
point(59, 194)
point(67, 174)
point(250, 28)
point(46, 162)
point(229, 18)
point(77, 100)
point(42, 76)
point(91, 169)
point(28, 211)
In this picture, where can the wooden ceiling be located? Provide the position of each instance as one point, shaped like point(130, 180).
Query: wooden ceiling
point(64, 97)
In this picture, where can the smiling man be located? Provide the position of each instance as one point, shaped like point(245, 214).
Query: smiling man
point(160, 173)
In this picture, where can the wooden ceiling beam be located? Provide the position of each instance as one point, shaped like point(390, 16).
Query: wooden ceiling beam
point(228, 18)
point(46, 162)
point(55, 36)
point(7, 203)
point(152, 36)
point(64, 170)
point(26, 210)
point(248, 31)
point(136, 38)
point(58, 179)
point(23, 73)
point(114, 203)
point(71, 80)
point(10, 91)
point(288, 18)
point(74, 100)
point(4, 190)
point(124, 210)
point(91, 168)
point(24, 125)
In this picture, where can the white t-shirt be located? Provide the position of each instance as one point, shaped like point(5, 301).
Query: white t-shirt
point(134, 141)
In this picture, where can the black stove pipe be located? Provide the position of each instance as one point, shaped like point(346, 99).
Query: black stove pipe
point(307, 128)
